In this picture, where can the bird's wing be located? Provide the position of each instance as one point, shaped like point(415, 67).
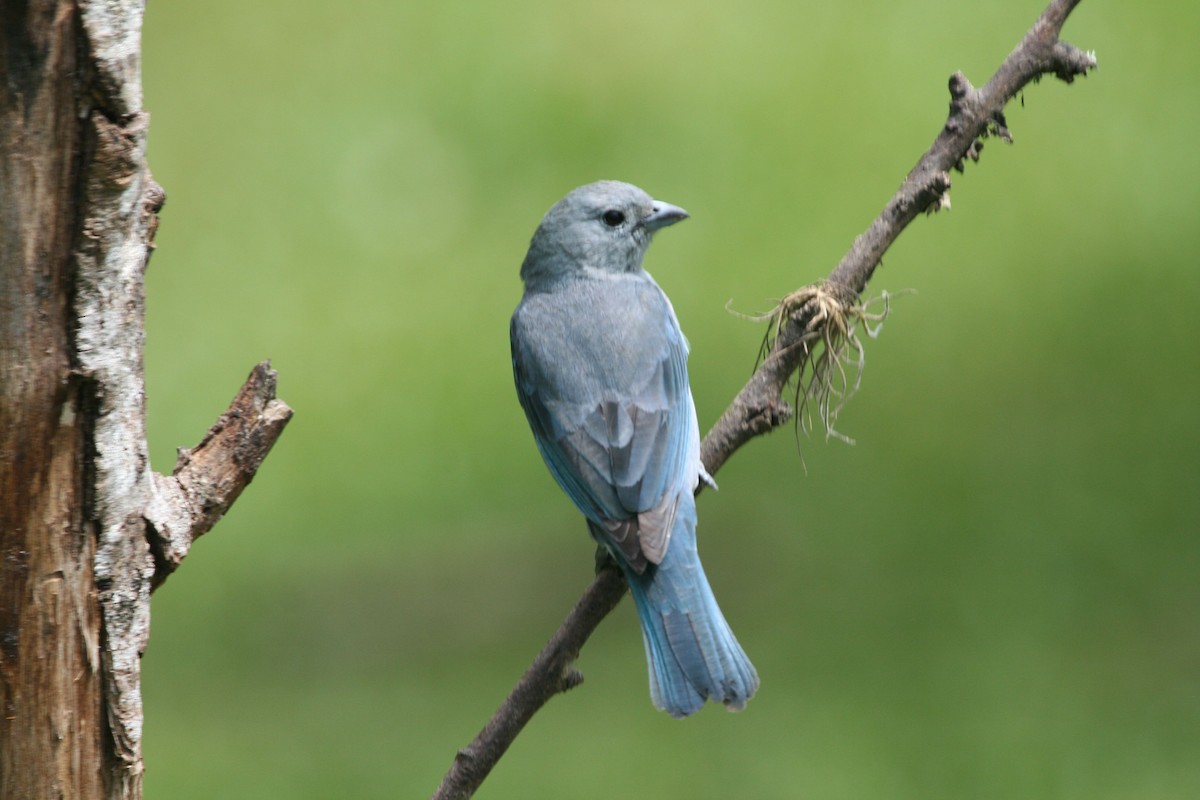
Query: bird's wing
point(614, 423)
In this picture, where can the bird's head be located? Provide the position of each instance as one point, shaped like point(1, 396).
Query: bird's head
point(604, 226)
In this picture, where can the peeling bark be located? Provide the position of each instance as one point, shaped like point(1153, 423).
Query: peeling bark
point(87, 530)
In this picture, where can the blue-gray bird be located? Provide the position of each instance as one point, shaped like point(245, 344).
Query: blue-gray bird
point(601, 371)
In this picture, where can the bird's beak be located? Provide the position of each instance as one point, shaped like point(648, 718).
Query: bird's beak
point(662, 215)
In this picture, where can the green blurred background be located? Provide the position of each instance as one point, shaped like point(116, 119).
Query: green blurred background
point(993, 594)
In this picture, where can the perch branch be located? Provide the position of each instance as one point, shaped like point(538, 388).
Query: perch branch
point(208, 478)
point(974, 114)
point(822, 313)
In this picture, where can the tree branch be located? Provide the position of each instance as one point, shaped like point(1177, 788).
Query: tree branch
point(208, 478)
point(813, 314)
point(824, 314)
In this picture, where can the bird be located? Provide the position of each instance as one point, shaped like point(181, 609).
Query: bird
point(600, 366)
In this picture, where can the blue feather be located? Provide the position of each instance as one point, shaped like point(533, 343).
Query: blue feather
point(691, 653)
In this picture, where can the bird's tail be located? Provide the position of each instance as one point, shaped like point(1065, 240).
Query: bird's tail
point(691, 652)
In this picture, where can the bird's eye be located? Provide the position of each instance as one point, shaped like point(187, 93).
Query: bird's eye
point(612, 218)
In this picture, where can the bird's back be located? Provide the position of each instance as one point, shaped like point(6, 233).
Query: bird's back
point(591, 339)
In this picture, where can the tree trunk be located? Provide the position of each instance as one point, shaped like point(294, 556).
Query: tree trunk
point(86, 529)
point(51, 729)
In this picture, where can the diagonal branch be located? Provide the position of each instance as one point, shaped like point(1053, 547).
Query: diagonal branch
point(974, 115)
point(820, 314)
